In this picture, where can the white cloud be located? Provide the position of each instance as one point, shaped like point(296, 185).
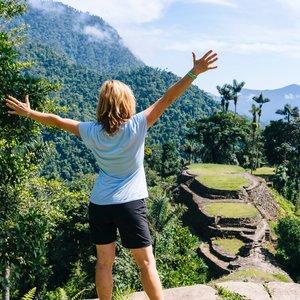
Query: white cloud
point(123, 12)
point(96, 33)
point(46, 6)
point(291, 96)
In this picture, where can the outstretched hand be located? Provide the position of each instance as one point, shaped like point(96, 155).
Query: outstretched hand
point(204, 63)
point(18, 108)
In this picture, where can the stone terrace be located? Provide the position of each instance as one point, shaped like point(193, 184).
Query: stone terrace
point(253, 231)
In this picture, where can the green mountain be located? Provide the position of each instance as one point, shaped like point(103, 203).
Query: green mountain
point(87, 40)
point(80, 85)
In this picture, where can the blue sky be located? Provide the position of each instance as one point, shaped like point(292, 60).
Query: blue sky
point(257, 41)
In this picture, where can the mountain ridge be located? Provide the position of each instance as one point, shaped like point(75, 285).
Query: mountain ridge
point(86, 39)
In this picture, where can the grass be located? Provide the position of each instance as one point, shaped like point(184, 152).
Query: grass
point(286, 206)
point(228, 182)
point(267, 171)
point(225, 294)
point(253, 275)
point(214, 168)
point(231, 246)
point(220, 177)
point(230, 210)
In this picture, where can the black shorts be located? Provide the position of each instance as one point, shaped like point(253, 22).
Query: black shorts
point(130, 218)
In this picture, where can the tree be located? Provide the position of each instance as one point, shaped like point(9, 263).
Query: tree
point(20, 153)
point(288, 250)
point(236, 89)
point(174, 246)
point(170, 164)
point(255, 110)
point(261, 101)
point(288, 112)
point(221, 138)
point(283, 151)
point(226, 95)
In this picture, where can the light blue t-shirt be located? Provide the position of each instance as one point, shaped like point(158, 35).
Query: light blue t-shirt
point(121, 160)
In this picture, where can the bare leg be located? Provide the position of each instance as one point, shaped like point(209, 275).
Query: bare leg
point(150, 279)
point(105, 260)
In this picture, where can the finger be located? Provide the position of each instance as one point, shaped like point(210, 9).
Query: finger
point(12, 112)
point(14, 99)
point(212, 61)
point(211, 68)
point(10, 103)
point(207, 54)
point(27, 101)
point(211, 56)
point(194, 57)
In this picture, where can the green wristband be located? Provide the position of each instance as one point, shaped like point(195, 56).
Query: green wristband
point(193, 76)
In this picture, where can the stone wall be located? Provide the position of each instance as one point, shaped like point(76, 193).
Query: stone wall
point(263, 200)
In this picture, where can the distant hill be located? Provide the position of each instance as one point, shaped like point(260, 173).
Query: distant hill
point(86, 39)
point(279, 97)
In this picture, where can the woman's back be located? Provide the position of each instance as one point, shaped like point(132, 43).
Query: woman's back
point(120, 157)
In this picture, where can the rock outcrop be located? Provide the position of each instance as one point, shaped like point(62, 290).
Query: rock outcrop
point(250, 290)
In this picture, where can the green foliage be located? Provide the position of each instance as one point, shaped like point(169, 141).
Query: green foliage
point(174, 246)
point(222, 138)
point(23, 226)
point(170, 164)
point(58, 294)
point(29, 295)
point(283, 150)
point(227, 295)
point(286, 207)
point(288, 250)
point(280, 146)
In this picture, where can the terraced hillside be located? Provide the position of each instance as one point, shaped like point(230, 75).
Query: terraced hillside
point(230, 210)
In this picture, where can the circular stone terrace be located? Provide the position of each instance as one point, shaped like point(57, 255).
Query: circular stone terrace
point(233, 225)
point(222, 179)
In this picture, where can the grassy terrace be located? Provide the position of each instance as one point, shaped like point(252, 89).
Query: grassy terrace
point(264, 171)
point(231, 246)
point(230, 210)
point(220, 177)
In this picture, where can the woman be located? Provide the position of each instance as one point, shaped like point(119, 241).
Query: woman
point(116, 202)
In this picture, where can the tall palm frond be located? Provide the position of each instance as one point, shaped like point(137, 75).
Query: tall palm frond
point(261, 100)
point(288, 112)
point(236, 89)
point(226, 95)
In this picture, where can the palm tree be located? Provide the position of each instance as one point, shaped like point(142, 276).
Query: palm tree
point(288, 112)
point(255, 111)
point(236, 89)
point(162, 215)
point(226, 96)
point(260, 100)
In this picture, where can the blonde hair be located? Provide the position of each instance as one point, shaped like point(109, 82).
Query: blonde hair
point(116, 105)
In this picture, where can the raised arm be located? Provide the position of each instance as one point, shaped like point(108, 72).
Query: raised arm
point(199, 66)
point(23, 109)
